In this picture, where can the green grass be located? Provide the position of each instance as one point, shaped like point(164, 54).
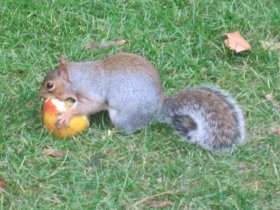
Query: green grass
point(105, 169)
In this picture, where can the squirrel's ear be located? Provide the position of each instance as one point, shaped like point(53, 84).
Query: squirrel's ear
point(63, 61)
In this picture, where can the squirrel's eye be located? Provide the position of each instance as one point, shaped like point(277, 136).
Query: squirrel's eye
point(50, 85)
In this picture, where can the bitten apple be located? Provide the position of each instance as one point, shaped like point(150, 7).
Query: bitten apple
point(51, 108)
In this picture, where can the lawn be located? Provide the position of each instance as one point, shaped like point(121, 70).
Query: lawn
point(106, 169)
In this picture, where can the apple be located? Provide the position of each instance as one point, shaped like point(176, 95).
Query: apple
point(51, 108)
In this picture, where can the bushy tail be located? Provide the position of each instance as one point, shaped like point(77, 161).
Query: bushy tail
point(207, 116)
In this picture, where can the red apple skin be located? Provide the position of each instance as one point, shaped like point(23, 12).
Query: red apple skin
point(77, 124)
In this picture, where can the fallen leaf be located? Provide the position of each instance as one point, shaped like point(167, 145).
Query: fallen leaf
point(159, 203)
point(278, 131)
point(236, 42)
point(2, 184)
point(51, 152)
point(270, 45)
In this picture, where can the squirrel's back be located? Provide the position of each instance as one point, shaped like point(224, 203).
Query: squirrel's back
point(128, 83)
point(207, 116)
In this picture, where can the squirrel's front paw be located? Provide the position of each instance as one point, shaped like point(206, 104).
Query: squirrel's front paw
point(63, 118)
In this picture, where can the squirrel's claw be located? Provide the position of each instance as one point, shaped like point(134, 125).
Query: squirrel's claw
point(63, 118)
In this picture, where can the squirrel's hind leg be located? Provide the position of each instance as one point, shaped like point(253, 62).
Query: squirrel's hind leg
point(120, 120)
point(127, 121)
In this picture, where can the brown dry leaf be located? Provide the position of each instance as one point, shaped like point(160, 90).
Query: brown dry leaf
point(270, 45)
point(278, 131)
point(236, 42)
point(2, 184)
point(159, 203)
point(52, 152)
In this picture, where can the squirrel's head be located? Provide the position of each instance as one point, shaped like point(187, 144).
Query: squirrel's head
point(56, 83)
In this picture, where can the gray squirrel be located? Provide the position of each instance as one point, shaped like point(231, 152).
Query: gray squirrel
point(129, 87)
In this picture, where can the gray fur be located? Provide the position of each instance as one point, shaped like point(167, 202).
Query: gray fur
point(211, 132)
point(128, 86)
point(130, 108)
